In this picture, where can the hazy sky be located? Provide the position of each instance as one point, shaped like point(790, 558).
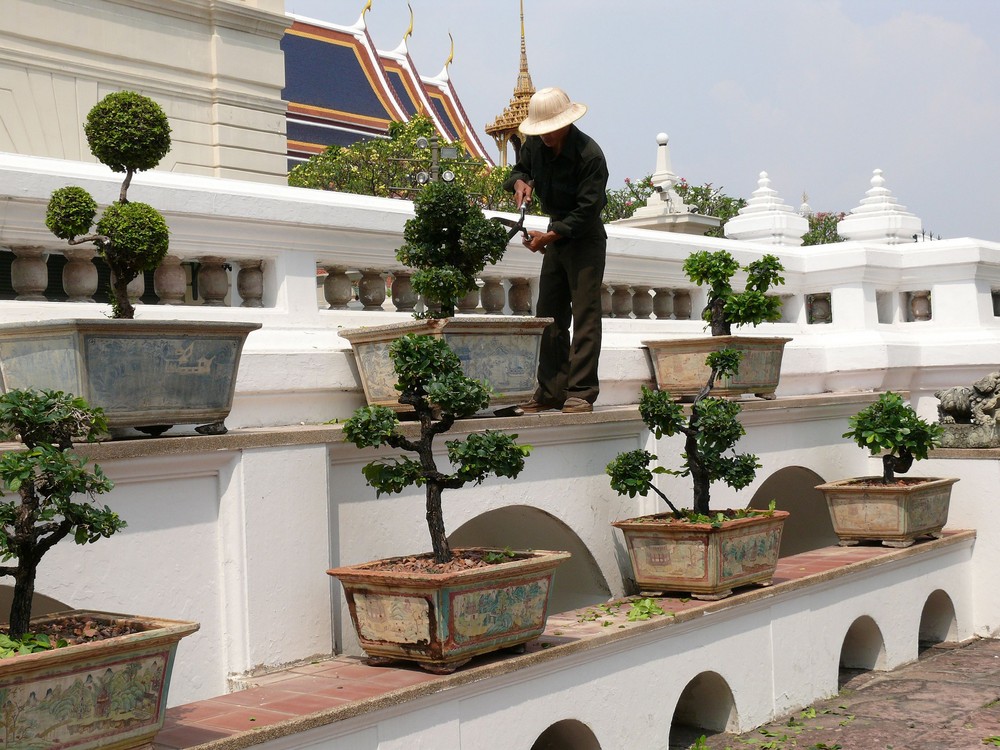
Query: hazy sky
point(817, 93)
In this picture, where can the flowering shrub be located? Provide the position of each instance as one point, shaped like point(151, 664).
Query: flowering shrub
point(623, 202)
point(823, 228)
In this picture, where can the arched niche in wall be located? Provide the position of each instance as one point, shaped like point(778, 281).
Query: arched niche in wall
point(706, 706)
point(578, 581)
point(863, 649)
point(568, 734)
point(808, 526)
point(938, 623)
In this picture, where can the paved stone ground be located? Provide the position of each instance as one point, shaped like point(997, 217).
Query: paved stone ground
point(947, 700)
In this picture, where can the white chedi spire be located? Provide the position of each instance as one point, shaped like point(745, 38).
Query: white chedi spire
point(664, 180)
point(879, 217)
point(767, 218)
point(665, 210)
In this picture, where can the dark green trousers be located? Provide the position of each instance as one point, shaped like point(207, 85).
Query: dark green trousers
point(569, 290)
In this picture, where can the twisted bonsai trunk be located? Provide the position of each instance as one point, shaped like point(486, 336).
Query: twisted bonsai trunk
point(434, 479)
point(892, 463)
point(29, 542)
point(699, 476)
point(719, 325)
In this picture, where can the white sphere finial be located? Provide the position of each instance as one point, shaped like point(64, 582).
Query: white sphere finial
point(662, 139)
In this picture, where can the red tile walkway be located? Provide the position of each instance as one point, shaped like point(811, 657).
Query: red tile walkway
point(343, 686)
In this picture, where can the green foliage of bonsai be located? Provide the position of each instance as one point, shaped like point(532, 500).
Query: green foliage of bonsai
point(430, 380)
point(71, 212)
point(45, 477)
point(891, 427)
point(448, 242)
point(710, 433)
point(129, 133)
point(727, 307)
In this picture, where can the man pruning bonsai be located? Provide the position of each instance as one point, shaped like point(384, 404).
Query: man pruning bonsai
point(566, 170)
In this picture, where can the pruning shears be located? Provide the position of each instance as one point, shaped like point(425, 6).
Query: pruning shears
point(515, 226)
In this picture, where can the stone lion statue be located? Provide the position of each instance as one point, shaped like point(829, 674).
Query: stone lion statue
point(977, 404)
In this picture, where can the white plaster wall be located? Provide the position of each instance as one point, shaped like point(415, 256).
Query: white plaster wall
point(167, 563)
point(973, 506)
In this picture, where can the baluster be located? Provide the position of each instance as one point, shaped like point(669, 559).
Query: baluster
point(470, 302)
point(642, 302)
point(250, 283)
point(682, 304)
point(337, 288)
point(605, 301)
point(29, 273)
point(819, 308)
point(621, 301)
point(520, 296)
point(403, 296)
point(663, 303)
point(920, 304)
point(213, 281)
point(371, 289)
point(170, 281)
point(79, 276)
point(493, 295)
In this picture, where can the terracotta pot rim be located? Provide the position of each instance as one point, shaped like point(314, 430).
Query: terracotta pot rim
point(460, 323)
point(718, 339)
point(851, 484)
point(538, 558)
point(668, 521)
point(159, 631)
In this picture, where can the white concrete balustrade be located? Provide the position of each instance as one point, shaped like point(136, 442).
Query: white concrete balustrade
point(856, 310)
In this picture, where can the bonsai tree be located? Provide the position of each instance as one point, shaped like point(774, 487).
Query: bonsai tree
point(44, 479)
point(891, 427)
point(431, 381)
point(710, 434)
point(129, 133)
point(448, 242)
point(726, 307)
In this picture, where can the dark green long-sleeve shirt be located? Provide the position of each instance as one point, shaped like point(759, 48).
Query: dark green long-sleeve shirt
point(571, 187)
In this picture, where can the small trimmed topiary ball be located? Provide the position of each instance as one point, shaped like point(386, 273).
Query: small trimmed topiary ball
point(138, 236)
point(128, 131)
point(70, 212)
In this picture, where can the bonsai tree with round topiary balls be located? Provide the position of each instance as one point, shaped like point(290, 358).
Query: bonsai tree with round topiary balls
point(449, 242)
point(129, 133)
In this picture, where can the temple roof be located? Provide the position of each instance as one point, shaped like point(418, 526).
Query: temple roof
point(341, 89)
point(505, 127)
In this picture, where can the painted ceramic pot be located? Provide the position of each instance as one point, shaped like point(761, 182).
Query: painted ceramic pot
point(696, 558)
point(896, 515)
point(679, 364)
point(500, 349)
point(108, 695)
point(442, 620)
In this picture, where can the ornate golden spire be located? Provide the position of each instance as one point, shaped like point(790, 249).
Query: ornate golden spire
point(504, 129)
point(409, 31)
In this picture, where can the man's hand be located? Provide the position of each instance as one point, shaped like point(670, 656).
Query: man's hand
point(538, 241)
point(522, 193)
